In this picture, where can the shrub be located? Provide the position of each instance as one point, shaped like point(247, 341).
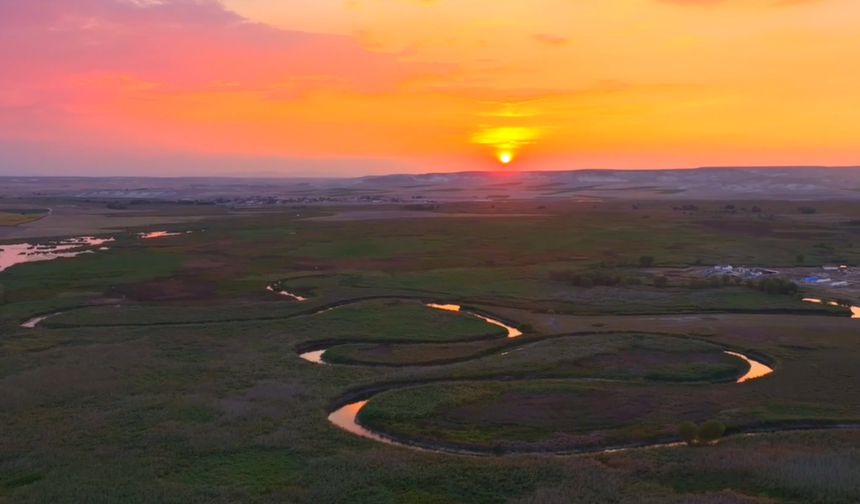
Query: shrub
point(800, 259)
point(696, 283)
point(778, 286)
point(689, 432)
point(711, 431)
point(646, 261)
point(661, 281)
point(702, 435)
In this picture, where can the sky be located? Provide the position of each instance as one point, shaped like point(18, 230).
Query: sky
point(359, 87)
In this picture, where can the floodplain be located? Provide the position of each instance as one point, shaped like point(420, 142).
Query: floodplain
point(170, 369)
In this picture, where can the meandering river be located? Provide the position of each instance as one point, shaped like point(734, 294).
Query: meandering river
point(317, 356)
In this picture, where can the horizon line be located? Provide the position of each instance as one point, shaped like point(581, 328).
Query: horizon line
point(275, 175)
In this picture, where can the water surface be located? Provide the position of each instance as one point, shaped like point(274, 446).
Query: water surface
point(855, 310)
point(345, 419)
point(513, 332)
point(157, 234)
point(33, 322)
point(18, 253)
point(757, 369)
point(316, 356)
point(346, 416)
point(287, 294)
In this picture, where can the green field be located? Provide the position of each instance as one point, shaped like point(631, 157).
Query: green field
point(18, 216)
point(171, 375)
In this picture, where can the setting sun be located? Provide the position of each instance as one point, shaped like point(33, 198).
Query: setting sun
point(505, 158)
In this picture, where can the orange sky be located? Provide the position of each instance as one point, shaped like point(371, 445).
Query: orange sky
point(353, 87)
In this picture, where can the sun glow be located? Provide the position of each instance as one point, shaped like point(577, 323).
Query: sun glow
point(505, 158)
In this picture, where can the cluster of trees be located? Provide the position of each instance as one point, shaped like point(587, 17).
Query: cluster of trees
point(714, 282)
point(593, 278)
point(775, 286)
point(701, 435)
point(808, 210)
point(769, 285)
point(603, 277)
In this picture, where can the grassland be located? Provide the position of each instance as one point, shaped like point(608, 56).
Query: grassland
point(174, 375)
point(19, 216)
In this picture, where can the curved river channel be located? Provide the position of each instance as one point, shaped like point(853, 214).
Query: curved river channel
point(317, 356)
point(345, 417)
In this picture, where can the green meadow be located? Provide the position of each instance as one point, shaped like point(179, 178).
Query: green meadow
point(168, 373)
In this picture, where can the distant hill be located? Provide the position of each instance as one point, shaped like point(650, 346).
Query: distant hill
point(795, 182)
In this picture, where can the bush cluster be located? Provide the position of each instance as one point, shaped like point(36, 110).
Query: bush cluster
point(777, 286)
point(774, 286)
point(701, 435)
point(594, 278)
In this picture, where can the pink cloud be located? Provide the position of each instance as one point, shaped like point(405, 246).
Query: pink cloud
point(68, 53)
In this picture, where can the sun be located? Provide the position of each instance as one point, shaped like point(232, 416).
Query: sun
point(505, 158)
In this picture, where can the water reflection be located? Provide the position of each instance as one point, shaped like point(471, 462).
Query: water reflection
point(157, 234)
point(18, 253)
point(855, 310)
point(33, 322)
point(316, 357)
point(345, 418)
point(513, 332)
point(287, 294)
point(757, 369)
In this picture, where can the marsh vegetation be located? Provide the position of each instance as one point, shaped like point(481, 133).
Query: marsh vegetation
point(173, 375)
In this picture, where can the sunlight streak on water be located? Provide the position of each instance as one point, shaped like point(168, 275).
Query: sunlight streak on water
point(157, 234)
point(287, 294)
point(757, 369)
point(345, 418)
point(513, 332)
point(33, 322)
point(855, 310)
point(316, 357)
point(18, 253)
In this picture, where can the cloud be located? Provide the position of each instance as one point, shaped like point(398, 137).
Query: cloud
point(775, 3)
point(550, 39)
point(73, 51)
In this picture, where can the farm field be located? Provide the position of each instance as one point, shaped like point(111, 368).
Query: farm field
point(12, 216)
point(546, 355)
